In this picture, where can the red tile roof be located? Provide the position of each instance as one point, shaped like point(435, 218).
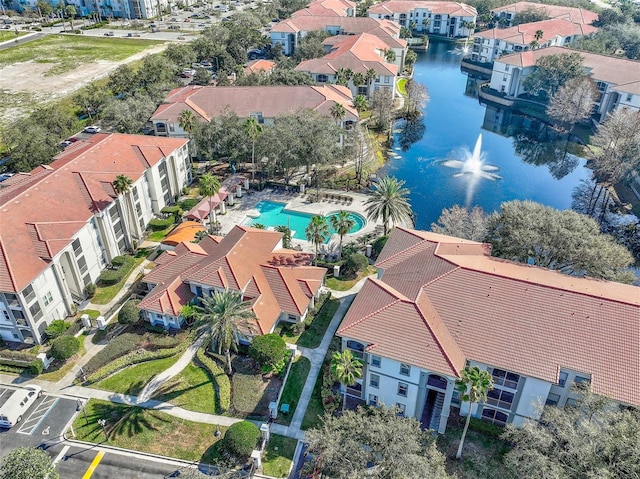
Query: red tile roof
point(259, 66)
point(359, 53)
point(211, 101)
point(621, 72)
point(513, 316)
point(573, 14)
point(526, 33)
point(337, 8)
point(41, 211)
point(275, 281)
point(438, 8)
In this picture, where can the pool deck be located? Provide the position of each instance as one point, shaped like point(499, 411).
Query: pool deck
point(295, 201)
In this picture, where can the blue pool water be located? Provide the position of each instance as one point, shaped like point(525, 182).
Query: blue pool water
point(273, 214)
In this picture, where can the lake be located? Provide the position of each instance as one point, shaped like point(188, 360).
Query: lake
point(452, 122)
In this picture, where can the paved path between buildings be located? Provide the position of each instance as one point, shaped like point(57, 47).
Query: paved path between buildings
point(186, 358)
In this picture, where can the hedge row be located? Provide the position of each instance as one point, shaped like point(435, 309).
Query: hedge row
point(135, 358)
point(15, 362)
point(221, 381)
point(110, 277)
point(16, 356)
point(159, 225)
point(5, 368)
point(95, 25)
point(172, 210)
point(118, 346)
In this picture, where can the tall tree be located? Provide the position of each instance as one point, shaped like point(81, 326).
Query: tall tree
point(360, 103)
point(338, 112)
point(342, 223)
point(389, 55)
point(122, 186)
point(529, 15)
point(619, 141)
point(346, 369)
point(471, 224)
point(573, 102)
point(596, 439)
point(223, 313)
point(209, 186)
point(253, 130)
point(389, 202)
point(186, 120)
point(374, 442)
point(27, 463)
point(370, 76)
point(417, 97)
point(473, 385)
point(286, 235)
point(129, 114)
point(70, 11)
point(553, 71)
point(343, 76)
point(317, 231)
point(382, 106)
point(566, 241)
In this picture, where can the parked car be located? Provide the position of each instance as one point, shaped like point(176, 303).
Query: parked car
point(187, 73)
point(92, 129)
point(109, 34)
point(187, 20)
point(17, 404)
point(204, 64)
point(152, 25)
point(64, 144)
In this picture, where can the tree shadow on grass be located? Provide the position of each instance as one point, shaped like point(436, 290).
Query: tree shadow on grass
point(122, 420)
point(251, 390)
point(169, 392)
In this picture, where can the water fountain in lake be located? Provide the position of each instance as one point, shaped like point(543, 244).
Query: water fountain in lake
point(473, 169)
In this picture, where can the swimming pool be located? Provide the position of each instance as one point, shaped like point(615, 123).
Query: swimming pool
point(274, 214)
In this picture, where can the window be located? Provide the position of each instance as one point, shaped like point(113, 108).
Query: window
point(48, 299)
point(363, 90)
point(6, 316)
point(562, 378)
point(36, 312)
point(77, 248)
point(376, 361)
point(387, 79)
point(629, 97)
point(494, 416)
point(581, 380)
point(373, 400)
point(322, 78)
point(552, 399)
point(82, 265)
point(405, 369)
point(293, 317)
point(28, 293)
point(506, 68)
point(401, 408)
point(374, 381)
point(503, 378)
point(403, 389)
point(500, 398)
point(504, 77)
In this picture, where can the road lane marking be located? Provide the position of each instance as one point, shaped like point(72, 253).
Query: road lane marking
point(37, 415)
point(61, 455)
point(94, 464)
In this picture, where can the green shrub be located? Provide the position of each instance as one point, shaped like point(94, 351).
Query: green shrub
point(268, 349)
point(64, 347)
point(155, 329)
point(56, 328)
point(36, 366)
point(6, 368)
point(241, 438)
point(221, 382)
point(90, 289)
point(118, 346)
point(187, 204)
point(356, 262)
point(377, 245)
point(74, 328)
point(120, 260)
point(16, 356)
point(129, 313)
point(486, 428)
point(172, 210)
point(159, 225)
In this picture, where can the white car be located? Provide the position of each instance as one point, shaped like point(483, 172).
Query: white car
point(92, 129)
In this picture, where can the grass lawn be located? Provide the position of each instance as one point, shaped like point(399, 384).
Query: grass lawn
point(191, 389)
point(6, 35)
point(147, 430)
point(60, 369)
point(68, 52)
point(401, 86)
point(293, 387)
point(481, 456)
point(312, 337)
point(162, 234)
point(279, 456)
point(104, 294)
point(134, 378)
point(315, 409)
point(251, 392)
point(344, 285)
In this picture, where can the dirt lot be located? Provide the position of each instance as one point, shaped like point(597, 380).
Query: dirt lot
point(25, 84)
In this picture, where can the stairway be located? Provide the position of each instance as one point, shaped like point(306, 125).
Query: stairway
point(437, 410)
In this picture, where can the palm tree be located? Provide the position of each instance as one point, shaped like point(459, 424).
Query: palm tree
point(286, 235)
point(122, 186)
point(389, 55)
point(388, 201)
point(209, 186)
point(224, 312)
point(473, 386)
point(346, 369)
point(426, 22)
point(186, 120)
point(539, 34)
point(358, 79)
point(70, 10)
point(338, 112)
point(342, 223)
point(317, 232)
point(470, 26)
point(252, 129)
point(360, 103)
point(370, 76)
point(343, 75)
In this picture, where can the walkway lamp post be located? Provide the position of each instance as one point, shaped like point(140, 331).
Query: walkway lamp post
point(102, 423)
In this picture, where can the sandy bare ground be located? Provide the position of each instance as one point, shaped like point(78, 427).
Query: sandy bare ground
point(24, 85)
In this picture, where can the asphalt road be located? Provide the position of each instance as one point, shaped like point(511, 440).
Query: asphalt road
point(43, 426)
